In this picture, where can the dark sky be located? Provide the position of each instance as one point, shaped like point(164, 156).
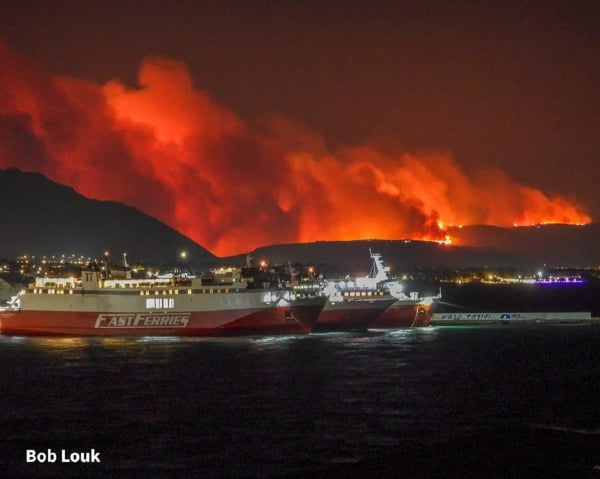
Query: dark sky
point(508, 84)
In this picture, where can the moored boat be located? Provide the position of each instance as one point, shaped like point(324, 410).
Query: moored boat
point(403, 314)
point(376, 301)
point(408, 310)
point(95, 305)
point(351, 309)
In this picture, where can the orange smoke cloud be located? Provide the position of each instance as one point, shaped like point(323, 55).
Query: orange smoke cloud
point(167, 148)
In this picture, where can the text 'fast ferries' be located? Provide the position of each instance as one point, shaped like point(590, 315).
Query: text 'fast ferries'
point(143, 320)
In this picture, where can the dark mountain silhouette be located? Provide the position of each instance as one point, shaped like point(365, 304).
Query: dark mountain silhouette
point(41, 217)
point(349, 257)
point(555, 245)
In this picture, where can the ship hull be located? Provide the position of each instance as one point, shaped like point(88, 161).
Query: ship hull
point(80, 318)
point(350, 315)
point(403, 314)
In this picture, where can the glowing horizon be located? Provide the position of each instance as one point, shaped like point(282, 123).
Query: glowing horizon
point(170, 150)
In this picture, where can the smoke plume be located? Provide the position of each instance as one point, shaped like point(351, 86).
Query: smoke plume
point(170, 150)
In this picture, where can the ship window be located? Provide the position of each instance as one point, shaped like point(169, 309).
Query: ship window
point(160, 303)
point(189, 291)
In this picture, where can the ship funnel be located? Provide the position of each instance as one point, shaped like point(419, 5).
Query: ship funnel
point(90, 279)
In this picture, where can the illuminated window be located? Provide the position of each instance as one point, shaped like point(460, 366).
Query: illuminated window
point(160, 303)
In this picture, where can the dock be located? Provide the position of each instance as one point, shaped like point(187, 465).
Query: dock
point(482, 318)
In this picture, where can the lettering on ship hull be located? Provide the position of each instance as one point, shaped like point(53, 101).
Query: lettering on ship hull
point(142, 320)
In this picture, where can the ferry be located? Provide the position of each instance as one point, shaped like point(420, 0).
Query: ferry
point(96, 304)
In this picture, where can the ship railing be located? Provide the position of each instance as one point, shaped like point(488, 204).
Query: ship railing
point(275, 296)
point(136, 283)
point(56, 283)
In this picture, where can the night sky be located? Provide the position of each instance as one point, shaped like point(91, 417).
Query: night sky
point(242, 123)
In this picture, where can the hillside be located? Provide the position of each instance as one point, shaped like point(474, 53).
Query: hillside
point(400, 255)
point(553, 245)
point(41, 217)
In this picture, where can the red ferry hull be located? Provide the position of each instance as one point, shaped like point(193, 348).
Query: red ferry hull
point(403, 315)
point(278, 320)
point(350, 315)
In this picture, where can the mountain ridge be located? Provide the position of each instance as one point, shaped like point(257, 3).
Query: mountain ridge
point(43, 217)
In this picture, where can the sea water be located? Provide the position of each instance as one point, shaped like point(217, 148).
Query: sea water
point(272, 406)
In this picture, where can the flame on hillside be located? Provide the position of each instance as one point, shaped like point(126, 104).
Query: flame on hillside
point(167, 148)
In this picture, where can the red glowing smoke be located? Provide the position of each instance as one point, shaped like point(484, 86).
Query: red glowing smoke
point(168, 149)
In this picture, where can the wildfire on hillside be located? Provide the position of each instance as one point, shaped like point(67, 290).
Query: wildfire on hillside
point(170, 150)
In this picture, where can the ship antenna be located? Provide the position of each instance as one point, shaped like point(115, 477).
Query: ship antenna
point(106, 268)
point(292, 272)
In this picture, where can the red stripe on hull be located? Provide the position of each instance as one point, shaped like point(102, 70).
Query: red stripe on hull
point(282, 320)
point(400, 315)
point(350, 315)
